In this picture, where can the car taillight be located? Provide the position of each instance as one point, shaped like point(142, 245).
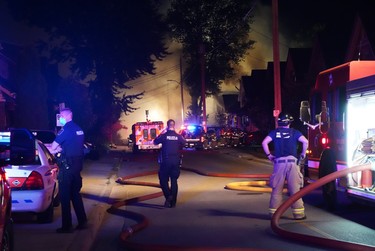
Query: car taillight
point(34, 182)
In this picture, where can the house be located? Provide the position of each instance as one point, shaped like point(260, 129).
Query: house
point(341, 42)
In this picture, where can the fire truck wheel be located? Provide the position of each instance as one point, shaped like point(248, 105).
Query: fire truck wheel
point(327, 165)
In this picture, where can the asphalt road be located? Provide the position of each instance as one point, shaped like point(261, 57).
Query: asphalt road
point(207, 216)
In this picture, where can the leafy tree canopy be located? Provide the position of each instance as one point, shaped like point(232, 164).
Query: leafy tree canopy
point(222, 27)
point(111, 42)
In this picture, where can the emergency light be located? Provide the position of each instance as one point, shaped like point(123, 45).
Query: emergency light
point(324, 140)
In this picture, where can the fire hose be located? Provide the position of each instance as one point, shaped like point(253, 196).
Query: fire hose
point(336, 244)
point(142, 221)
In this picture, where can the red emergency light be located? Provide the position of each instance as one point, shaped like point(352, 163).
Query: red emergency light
point(324, 140)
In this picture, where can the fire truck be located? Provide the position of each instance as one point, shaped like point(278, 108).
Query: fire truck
point(144, 133)
point(341, 129)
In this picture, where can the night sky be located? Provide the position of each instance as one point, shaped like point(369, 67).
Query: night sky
point(297, 20)
point(299, 16)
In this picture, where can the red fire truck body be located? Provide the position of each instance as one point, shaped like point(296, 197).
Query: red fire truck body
point(333, 129)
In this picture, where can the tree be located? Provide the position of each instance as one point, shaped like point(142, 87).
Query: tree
point(222, 27)
point(107, 42)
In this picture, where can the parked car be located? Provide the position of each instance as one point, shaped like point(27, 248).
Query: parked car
point(234, 137)
point(6, 222)
point(195, 137)
point(255, 138)
point(214, 136)
point(32, 175)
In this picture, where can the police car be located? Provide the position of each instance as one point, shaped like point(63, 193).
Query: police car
point(32, 175)
point(195, 137)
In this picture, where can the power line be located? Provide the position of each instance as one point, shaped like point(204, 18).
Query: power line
point(151, 78)
point(270, 38)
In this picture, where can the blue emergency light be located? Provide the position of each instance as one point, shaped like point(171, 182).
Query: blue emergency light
point(4, 138)
point(191, 128)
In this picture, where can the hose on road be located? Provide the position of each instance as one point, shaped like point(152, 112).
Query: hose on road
point(330, 243)
point(256, 186)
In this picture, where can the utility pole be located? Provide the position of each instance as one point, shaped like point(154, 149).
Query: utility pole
point(182, 94)
point(203, 80)
point(276, 60)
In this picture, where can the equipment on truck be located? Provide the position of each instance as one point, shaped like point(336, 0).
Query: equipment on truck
point(341, 127)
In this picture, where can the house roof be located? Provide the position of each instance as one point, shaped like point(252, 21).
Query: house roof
point(300, 60)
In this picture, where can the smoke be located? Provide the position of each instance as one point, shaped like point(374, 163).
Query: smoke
point(262, 51)
point(162, 97)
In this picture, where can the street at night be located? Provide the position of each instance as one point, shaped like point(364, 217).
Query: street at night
point(207, 216)
point(110, 89)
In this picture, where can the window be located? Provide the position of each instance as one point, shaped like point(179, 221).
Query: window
point(340, 103)
point(153, 133)
point(145, 134)
point(49, 156)
point(316, 106)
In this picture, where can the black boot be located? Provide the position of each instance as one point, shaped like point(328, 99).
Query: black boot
point(168, 202)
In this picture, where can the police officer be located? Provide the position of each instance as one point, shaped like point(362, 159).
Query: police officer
point(285, 160)
point(170, 158)
point(69, 142)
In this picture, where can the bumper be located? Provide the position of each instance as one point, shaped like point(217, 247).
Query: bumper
point(148, 147)
point(193, 143)
point(31, 201)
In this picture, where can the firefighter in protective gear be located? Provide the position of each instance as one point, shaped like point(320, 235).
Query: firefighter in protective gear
point(169, 160)
point(285, 158)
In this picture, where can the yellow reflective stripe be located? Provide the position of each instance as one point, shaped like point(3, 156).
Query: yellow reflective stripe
point(272, 210)
point(298, 210)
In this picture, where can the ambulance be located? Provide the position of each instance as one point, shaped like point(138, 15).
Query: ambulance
point(144, 133)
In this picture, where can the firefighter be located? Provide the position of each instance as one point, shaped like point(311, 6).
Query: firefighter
point(169, 160)
point(285, 161)
point(70, 142)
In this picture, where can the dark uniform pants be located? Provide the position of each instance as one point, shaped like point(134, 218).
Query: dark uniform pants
point(170, 169)
point(70, 184)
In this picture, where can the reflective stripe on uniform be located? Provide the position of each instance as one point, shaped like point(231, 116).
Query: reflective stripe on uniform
point(272, 210)
point(298, 213)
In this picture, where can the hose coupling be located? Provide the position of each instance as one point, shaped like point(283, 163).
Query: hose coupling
point(130, 230)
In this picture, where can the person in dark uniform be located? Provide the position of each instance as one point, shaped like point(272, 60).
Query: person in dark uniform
point(169, 160)
point(69, 143)
point(285, 167)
